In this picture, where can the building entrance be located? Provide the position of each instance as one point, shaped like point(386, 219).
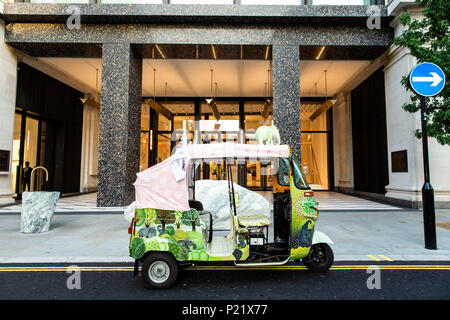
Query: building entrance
point(239, 119)
point(47, 132)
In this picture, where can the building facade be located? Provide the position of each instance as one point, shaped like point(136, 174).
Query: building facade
point(96, 92)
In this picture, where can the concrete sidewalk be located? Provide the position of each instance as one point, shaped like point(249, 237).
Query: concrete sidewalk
point(396, 235)
point(103, 237)
point(328, 201)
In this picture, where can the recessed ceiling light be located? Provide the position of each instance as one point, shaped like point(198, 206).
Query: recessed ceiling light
point(267, 52)
point(214, 52)
point(160, 52)
point(320, 53)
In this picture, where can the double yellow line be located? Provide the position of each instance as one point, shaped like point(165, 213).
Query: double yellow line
point(227, 268)
point(383, 257)
point(337, 267)
point(63, 269)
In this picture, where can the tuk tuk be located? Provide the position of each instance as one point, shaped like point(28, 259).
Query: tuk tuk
point(171, 229)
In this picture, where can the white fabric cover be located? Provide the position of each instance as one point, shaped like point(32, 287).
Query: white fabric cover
point(214, 197)
point(236, 151)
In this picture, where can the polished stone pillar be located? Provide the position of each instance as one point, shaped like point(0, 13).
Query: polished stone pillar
point(286, 95)
point(119, 124)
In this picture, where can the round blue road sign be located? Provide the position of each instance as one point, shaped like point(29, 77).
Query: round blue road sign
point(427, 79)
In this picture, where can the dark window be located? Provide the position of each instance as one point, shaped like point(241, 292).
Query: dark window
point(283, 172)
point(399, 160)
point(4, 160)
point(299, 178)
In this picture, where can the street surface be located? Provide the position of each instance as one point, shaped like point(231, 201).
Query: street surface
point(347, 280)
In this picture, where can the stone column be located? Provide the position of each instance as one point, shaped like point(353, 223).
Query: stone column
point(286, 95)
point(119, 124)
point(8, 82)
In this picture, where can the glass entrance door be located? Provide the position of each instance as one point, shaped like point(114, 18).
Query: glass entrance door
point(258, 176)
point(316, 131)
point(16, 166)
point(31, 148)
point(315, 159)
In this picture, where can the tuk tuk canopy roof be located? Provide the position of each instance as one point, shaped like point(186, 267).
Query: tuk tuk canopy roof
point(236, 151)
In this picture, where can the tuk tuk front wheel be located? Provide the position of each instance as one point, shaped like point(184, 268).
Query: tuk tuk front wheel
point(320, 258)
point(159, 270)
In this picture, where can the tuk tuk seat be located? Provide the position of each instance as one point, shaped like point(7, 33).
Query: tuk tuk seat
point(256, 220)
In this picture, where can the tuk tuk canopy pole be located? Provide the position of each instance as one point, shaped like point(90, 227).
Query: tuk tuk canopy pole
point(231, 191)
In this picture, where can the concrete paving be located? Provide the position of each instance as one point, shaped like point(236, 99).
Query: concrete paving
point(72, 237)
point(384, 235)
point(6, 201)
point(103, 237)
point(328, 201)
point(85, 203)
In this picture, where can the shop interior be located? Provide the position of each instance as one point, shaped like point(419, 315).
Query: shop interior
point(215, 93)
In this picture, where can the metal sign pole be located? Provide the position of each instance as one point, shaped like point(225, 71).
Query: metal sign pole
point(427, 189)
point(427, 80)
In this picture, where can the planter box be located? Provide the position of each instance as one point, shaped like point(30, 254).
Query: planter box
point(37, 211)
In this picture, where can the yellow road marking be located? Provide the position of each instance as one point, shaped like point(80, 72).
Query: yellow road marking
point(231, 268)
point(355, 267)
point(386, 258)
point(63, 270)
point(373, 257)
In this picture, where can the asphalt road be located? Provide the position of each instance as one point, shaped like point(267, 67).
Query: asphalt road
point(398, 281)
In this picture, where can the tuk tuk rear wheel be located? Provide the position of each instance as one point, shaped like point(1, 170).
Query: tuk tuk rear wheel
point(320, 258)
point(159, 270)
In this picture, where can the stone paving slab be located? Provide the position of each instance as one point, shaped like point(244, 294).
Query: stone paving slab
point(6, 201)
point(328, 201)
point(73, 204)
point(335, 201)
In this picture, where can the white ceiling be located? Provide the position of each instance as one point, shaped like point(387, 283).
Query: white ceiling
point(235, 78)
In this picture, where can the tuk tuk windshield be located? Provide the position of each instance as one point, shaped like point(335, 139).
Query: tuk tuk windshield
point(299, 178)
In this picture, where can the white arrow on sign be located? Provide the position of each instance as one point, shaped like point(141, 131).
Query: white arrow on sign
point(436, 79)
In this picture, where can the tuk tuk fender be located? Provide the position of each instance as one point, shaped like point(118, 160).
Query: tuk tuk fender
point(320, 237)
